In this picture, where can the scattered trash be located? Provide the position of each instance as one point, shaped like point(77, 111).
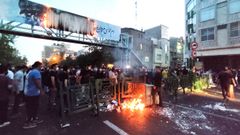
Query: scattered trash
point(64, 125)
point(221, 107)
point(186, 120)
point(192, 133)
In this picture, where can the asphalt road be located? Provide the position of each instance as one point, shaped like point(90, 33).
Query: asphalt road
point(194, 114)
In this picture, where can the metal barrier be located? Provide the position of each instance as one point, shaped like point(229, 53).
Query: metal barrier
point(78, 98)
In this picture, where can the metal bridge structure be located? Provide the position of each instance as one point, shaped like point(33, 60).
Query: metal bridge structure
point(34, 20)
point(29, 19)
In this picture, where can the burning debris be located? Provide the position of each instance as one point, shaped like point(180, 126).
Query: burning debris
point(137, 97)
point(128, 104)
point(133, 104)
point(108, 105)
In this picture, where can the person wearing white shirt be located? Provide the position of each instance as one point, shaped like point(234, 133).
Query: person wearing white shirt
point(10, 74)
point(20, 85)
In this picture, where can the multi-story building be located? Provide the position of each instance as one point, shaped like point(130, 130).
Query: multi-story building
point(140, 51)
point(161, 47)
point(217, 32)
point(190, 22)
point(150, 47)
point(176, 52)
point(50, 52)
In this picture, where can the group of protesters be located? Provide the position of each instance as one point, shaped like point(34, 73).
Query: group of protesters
point(27, 84)
point(24, 88)
point(168, 80)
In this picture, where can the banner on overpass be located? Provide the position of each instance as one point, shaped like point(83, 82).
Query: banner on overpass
point(25, 11)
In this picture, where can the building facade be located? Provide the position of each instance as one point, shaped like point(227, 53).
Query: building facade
point(57, 52)
point(150, 47)
point(176, 52)
point(161, 47)
point(217, 32)
point(190, 22)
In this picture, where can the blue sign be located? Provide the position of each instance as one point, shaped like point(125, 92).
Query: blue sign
point(108, 31)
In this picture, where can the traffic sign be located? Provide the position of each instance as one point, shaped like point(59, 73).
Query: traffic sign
point(194, 45)
point(194, 53)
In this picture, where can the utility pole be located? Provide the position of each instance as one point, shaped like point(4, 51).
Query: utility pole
point(136, 13)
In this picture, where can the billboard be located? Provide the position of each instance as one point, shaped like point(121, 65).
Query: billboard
point(35, 14)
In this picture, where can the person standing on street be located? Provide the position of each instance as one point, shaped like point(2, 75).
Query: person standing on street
point(238, 77)
point(157, 82)
point(20, 85)
point(5, 87)
point(225, 79)
point(32, 94)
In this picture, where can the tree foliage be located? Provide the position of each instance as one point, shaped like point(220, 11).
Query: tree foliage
point(9, 54)
point(95, 57)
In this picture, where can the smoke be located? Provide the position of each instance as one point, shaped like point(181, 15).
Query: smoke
point(120, 57)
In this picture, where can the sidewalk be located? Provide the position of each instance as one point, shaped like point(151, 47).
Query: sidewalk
point(216, 91)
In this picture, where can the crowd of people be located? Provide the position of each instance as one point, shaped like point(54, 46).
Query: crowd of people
point(25, 88)
point(27, 84)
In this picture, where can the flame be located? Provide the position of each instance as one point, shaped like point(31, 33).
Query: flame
point(231, 92)
point(45, 16)
point(133, 104)
point(45, 21)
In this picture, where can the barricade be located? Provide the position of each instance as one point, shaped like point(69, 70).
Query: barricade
point(78, 98)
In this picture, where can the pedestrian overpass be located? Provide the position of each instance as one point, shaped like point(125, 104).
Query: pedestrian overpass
point(30, 19)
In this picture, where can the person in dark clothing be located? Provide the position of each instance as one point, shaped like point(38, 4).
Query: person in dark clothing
point(72, 76)
point(84, 76)
point(63, 77)
point(238, 77)
point(53, 86)
point(224, 81)
point(157, 82)
point(6, 85)
point(184, 71)
point(149, 75)
point(46, 79)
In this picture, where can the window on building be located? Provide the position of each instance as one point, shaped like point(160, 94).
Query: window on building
point(191, 4)
point(235, 29)
point(207, 34)
point(194, 19)
point(234, 6)
point(190, 28)
point(224, 26)
point(140, 46)
point(207, 13)
point(166, 58)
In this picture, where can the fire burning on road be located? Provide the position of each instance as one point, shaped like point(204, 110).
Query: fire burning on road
point(133, 104)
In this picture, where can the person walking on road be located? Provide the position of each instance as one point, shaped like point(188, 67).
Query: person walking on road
point(225, 79)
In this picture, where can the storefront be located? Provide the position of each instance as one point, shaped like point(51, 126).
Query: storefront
point(217, 63)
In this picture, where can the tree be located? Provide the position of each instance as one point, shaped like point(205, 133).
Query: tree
point(9, 54)
point(95, 57)
point(68, 62)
